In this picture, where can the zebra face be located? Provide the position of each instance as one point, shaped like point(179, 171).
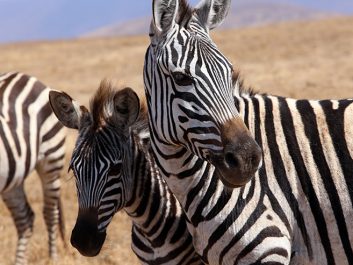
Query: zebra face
point(102, 182)
point(189, 88)
point(101, 160)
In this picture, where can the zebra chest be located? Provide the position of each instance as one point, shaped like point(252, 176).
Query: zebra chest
point(227, 236)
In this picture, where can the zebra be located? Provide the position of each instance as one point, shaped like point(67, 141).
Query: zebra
point(114, 170)
point(298, 207)
point(31, 138)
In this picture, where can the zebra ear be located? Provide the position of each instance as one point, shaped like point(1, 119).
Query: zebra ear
point(164, 13)
point(126, 108)
point(67, 111)
point(213, 12)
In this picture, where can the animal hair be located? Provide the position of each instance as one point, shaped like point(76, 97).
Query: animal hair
point(238, 81)
point(98, 105)
point(185, 13)
point(102, 104)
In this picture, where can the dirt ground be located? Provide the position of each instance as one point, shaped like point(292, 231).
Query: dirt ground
point(297, 59)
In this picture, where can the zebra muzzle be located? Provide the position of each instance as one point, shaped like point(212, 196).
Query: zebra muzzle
point(241, 156)
point(85, 236)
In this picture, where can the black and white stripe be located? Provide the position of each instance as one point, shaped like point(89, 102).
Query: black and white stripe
point(114, 171)
point(298, 207)
point(307, 172)
point(31, 138)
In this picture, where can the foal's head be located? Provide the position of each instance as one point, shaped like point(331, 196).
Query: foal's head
point(101, 160)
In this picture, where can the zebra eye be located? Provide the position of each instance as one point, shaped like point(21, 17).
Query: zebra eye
point(115, 170)
point(182, 79)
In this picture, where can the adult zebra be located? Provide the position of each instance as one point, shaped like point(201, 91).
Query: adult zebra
point(297, 209)
point(114, 170)
point(30, 138)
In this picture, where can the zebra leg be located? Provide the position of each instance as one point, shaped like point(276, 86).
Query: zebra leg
point(52, 209)
point(23, 217)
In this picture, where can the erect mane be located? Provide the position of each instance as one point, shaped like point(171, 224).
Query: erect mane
point(99, 103)
point(238, 84)
point(101, 106)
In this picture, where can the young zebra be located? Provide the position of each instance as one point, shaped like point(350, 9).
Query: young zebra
point(31, 137)
point(114, 170)
point(298, 208)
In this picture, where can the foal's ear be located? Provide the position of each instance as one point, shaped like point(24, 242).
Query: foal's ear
point(164, 14)
point(126, 108)
point(68, 111)
point(213, 12)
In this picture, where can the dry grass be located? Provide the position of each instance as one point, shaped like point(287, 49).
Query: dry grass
point(312, 59)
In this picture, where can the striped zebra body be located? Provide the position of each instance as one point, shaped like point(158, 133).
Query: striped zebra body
point(114, 171)
point(306, 175)
point(31, 138)
point(284, 215)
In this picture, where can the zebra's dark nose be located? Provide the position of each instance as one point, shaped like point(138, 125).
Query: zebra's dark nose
point(85, 236)
point(241, 156)
point(242, 159)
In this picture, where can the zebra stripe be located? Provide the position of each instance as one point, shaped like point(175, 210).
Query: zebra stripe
point(114, 171)
point(297, 209)
point(30, 138)
point(306, 160)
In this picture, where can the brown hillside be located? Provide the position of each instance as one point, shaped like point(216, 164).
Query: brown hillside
point(243, 13)
point(303, 60)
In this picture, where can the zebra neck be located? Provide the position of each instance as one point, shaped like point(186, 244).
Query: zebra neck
point(278, 115)
point(148, 204)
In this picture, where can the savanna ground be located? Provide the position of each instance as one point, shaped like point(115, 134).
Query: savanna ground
point(297, 59)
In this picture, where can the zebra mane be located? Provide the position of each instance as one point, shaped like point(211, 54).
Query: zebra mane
point(239, 88)
point(100, 102)
point(101, 108)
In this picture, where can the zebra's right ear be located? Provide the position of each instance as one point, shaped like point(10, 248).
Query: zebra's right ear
point(126, 108)
point(68, 111)
point(164, 14)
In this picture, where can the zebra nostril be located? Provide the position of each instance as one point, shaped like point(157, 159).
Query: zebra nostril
point(255, 159)
point(231, 160)
point(256, 156)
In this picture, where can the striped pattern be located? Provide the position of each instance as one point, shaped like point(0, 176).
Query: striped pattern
point(159, 233)
point(30, 138)
point(298, 208)
point(115, 171)
point(308, 151)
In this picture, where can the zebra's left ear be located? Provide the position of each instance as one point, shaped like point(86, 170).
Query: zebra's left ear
point(67, 111)
point(164, 14)
point(126, 108)
point(213, 12)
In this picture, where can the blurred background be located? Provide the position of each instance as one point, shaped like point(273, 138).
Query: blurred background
point(24, 20)
point(295, 48)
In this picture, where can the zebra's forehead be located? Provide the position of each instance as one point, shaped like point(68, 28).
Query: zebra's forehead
point(98, 144)
point(188, 48)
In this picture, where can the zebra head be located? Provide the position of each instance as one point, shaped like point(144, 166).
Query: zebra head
point(189, 85)
point(101, 160)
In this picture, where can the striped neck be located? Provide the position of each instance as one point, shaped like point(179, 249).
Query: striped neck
point(150, 194)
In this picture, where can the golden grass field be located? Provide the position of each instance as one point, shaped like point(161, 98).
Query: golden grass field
point(296, 59)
